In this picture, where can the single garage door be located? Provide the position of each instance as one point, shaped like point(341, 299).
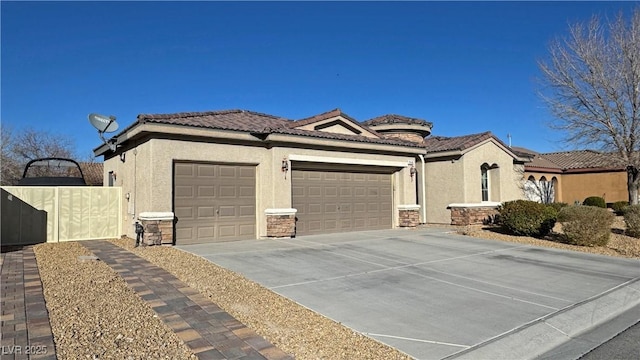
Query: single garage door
point(341, 201)
point(214, 202)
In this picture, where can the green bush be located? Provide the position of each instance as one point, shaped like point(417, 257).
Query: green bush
point(619, 206)
point(595, 201)
point(527, 218)
point(586, 225)
point(558, 205)
point(632, 220)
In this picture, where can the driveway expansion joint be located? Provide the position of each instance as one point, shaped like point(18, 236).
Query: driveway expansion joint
point(189, 314)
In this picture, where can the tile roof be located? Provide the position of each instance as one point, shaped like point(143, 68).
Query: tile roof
point(441, 143)
point(540, 162)
point(524, 152)
point(92, 172)
point(323, 116)
point(583, 159)
point(242, 120)
point(250, 121)
point(397, 119)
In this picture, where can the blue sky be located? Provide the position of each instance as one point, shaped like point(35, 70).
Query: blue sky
point(465, 66)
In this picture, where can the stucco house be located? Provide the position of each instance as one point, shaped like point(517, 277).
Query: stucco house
point(572, 176)
point(237, 174)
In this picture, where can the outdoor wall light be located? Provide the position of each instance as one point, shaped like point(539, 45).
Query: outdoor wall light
point(412, 172)
point(122, 156)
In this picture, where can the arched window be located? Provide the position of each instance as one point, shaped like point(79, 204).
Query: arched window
point(484, 171)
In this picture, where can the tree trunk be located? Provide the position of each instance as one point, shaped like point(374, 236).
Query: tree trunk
point(633, 180)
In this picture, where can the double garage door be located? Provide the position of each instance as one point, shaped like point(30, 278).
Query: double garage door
point(217, 202)
point(341, 201)
point(214, 202)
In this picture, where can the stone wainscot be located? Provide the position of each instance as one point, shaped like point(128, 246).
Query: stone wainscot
point(473, 214)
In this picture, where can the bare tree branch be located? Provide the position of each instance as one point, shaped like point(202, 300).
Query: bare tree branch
point(591, 85)
point(18, 148)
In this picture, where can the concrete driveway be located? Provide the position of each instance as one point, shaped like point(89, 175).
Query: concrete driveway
point(435, 295)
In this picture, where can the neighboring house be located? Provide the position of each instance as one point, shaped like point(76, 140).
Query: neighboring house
point(574, 175)
point(93, 173)
point(237, 174)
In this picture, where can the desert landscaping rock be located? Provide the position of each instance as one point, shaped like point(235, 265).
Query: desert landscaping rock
point(619, 244)
point(94, 315)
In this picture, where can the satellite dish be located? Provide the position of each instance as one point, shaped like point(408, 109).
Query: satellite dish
point(105, 124)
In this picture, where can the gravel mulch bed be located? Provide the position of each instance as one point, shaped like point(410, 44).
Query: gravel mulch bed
point(619, 244)
point(291, 327)
point(94, 315)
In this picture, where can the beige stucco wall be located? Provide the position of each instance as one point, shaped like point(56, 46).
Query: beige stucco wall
point(444, 185)
point(459, 180)
point(612, 186)
point(504, 182)
point(147, 176)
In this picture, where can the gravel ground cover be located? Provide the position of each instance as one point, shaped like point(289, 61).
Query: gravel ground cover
point(94, 315)
point(619, 244)
point(293, 328)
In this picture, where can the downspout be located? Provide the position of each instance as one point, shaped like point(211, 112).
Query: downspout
point(423, 217)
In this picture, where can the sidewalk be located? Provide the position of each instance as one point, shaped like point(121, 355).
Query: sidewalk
point(25, 332)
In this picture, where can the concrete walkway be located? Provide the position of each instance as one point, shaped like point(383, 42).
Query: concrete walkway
point(207, 330)
point(435, 294)
point(25, 331)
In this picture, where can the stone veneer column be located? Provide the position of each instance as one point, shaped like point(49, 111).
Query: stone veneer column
point(281, 222)
point(473, 214)
point(409, 215)
point(158, 227)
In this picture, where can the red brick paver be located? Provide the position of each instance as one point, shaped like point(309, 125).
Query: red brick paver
point(25, 331)
point(208, 331)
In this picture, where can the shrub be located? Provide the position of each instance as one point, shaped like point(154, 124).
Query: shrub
point(558, 205)
point(595, 201)
point(632, 220)
point(619, 206)
point(527, 218)
point(586, 225)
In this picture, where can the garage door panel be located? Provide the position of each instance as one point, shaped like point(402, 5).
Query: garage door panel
point(297, 191)
point(183, 212)
point(184, 191)
point(247, 211)
point(247, 192)
point(206, 212)
point(314, 209)
point(184, 169)
point(206, 191)
point(184, 233)
point(226, 211)
point(227, 171)
point(329, 201)
point(206, 171)
point(214, 202)
point(247, 173)
point(331, 225)
point(206, 232)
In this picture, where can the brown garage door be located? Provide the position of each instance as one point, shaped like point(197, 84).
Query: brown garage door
point(329, 201)
point(214, 202)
